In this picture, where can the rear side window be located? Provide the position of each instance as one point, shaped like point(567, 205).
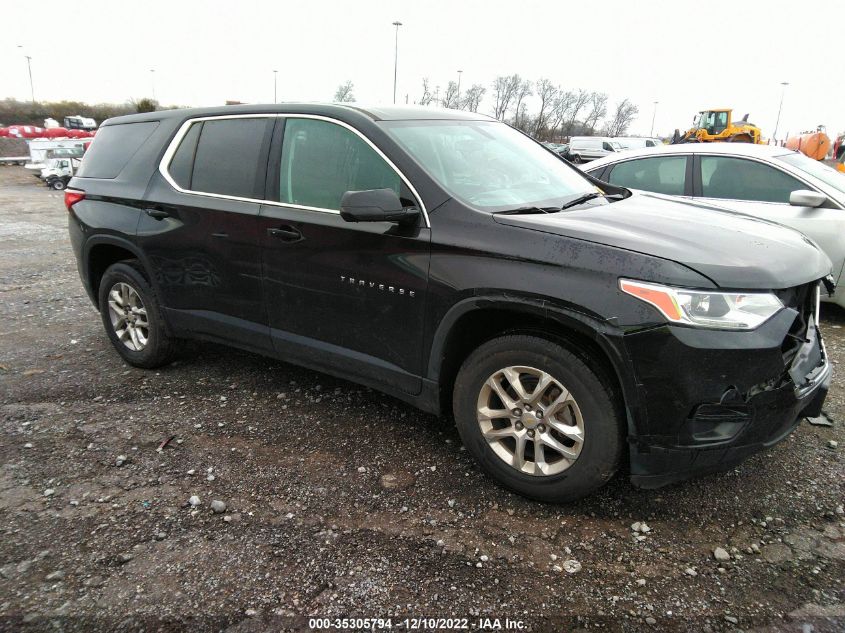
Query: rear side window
point(228, 157)
point(660, 175)
point(321, 161)
point(739, 179)
point(113, 147)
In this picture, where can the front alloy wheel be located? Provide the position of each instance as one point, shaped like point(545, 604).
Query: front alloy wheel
point(542, 417)
point(530, 420)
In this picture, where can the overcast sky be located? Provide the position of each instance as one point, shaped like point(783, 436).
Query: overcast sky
point(688, 55)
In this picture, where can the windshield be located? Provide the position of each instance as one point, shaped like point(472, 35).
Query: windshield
point(488, 164)
point(817, 169)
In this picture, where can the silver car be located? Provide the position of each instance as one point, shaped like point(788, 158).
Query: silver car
point(765, 181)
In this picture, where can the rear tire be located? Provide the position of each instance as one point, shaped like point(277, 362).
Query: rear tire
point(741, 138)
point(589, 427)
point(132, 317)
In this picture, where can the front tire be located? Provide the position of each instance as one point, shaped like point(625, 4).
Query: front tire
point(538, 419)
point(132, 318)
point(577, 159)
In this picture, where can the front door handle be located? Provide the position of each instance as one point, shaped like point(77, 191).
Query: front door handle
point(286, 234)
point(157, 214)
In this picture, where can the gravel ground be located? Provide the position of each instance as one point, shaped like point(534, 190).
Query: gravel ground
point(340, 501)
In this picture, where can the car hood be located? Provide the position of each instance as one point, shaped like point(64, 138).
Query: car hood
point(731, 249)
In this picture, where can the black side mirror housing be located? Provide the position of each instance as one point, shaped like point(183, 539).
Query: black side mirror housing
point(375, 205)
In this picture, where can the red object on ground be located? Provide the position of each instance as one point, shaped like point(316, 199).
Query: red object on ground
point(55, 132)
point(25, 131)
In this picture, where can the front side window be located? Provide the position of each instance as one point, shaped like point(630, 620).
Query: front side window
point(322, 160)
point(228, 158)
point(739, 179)
point(488, 164)
point(660, 175)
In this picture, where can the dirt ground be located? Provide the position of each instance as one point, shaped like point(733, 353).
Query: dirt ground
point(342, 502)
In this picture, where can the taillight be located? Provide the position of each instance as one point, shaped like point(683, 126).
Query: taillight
point(73, 196)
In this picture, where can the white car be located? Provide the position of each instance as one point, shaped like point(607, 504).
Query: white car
point(760, 180)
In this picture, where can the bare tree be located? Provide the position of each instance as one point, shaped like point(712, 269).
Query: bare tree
point(450, 99)
point(343, 94)
point(523, 91)
point(427, 97)
point(504, 89)
point(579, 102)
point(598, 110)
point(472, 97)
point(547, 92)
point(560, 111)
point(625, 114)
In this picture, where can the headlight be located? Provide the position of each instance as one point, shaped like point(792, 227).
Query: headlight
point(706, 308)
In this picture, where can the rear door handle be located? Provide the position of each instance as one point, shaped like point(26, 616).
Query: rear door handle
point(157, 214)
point(286, 234)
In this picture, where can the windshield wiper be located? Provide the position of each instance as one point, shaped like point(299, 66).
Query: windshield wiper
point(530, 210)
point(580, 200)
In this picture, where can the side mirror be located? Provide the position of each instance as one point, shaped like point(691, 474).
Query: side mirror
point(375, 205)
point(807, 198)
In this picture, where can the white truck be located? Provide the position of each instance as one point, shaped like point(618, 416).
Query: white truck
point(58, 171)
point(42, 149)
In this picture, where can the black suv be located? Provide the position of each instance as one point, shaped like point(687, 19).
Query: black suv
point(449, 260)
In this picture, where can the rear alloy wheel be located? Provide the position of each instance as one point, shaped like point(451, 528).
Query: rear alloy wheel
point(132, 318)
point(539, 418)
point(128, 316)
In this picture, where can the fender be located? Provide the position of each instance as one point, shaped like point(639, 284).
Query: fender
point(603, 332)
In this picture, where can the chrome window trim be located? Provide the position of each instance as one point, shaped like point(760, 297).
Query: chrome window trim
point(164, 163)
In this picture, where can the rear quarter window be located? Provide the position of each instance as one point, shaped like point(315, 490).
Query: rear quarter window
point(113, 147)
point(228, 158)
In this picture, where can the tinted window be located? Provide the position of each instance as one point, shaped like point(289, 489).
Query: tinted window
point(738, 179)
point(181, 165)
point(321, 161)
point(661, 175)
point(228, 157)
point(112, 148)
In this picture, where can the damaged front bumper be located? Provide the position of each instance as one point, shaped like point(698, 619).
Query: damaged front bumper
point(709, 399)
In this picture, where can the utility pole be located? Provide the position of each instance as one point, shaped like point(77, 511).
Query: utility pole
point(780, 107)
point(397, 24)
point(29, 69)
point(153, 81)
point(653, 116)
point(275, 74)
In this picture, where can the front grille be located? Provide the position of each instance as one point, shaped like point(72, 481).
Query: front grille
point(802, 299)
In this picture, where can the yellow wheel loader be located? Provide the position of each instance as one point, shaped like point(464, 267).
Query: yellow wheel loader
point(718, 125)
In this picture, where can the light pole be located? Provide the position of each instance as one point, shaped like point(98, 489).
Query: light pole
point(153, 81)
point(275, 74)
point(397, 24)
point(458, 104)
point(653, 116)
point(780, 107)
point(29, 68)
